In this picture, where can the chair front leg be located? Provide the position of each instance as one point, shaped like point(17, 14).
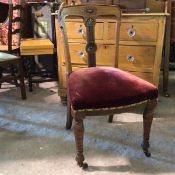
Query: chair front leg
point(147, 122)
point(79, 135)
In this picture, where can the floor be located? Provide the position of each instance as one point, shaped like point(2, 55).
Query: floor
point(33, 140)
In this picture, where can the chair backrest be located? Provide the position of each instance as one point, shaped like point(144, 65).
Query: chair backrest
point(13, 21)
point(89, 14)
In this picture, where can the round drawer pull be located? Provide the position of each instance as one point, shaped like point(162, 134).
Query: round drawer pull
point(131, 33)
point(80, 30)
point(130, 58)
point(81, 54)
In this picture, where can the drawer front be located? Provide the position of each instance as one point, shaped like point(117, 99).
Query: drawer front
point(105, 55)
point(145, 76)
point(136, 58)
point(135, 31)
point(77, 30)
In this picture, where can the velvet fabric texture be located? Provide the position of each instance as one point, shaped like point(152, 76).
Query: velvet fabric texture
point(103, 87)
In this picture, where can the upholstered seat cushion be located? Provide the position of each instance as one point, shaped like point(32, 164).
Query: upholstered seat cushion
point(100, 87)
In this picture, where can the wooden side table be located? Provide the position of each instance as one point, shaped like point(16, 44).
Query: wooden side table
point(35, 46)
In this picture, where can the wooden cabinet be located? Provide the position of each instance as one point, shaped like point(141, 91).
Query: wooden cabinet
point(140, 49)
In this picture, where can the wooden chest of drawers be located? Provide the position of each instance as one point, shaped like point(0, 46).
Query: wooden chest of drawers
point(140, 49)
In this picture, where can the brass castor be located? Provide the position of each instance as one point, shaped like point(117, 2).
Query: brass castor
point(147, 153)
point(83, 165)
point(80, 162)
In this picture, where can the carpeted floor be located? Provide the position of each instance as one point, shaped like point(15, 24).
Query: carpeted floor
point(33, 140)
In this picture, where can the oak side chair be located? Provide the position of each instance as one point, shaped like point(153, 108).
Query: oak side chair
point(101, 90)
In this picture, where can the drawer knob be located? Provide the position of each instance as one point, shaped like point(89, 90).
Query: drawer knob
point(130, 58)
point(131, 33)
point(81, 54)
point(80, 30)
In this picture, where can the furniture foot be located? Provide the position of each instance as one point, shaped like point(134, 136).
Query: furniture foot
point(79, 135)
point(145, 149)
point(110, 119)
point(166, 94)
point(80, 162)
point(147, 122)
point(63, 100)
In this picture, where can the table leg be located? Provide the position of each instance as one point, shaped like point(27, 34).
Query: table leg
point(167, 56)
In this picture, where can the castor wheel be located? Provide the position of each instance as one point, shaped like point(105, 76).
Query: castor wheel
point(145, 150)
point(147, 153)
point(83, 166)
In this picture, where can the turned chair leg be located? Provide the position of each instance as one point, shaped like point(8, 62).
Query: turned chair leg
point(147, 122)
point(21, 78)
point(110, 119)
point(79, 135)
point(69, 116)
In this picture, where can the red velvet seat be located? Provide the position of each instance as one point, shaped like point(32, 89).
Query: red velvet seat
point(101, 87)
